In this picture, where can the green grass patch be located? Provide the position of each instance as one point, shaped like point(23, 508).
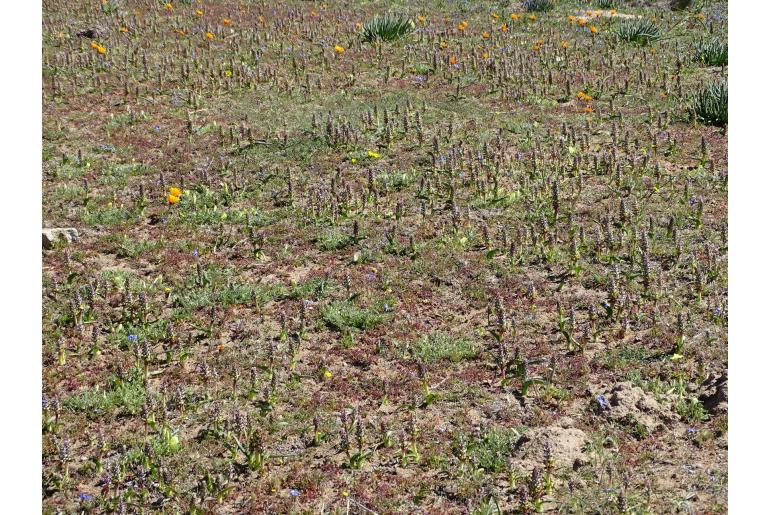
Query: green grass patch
point(344, 315)
point(491, 451)
point(125, 394)
point(443, 346)
point(334, 239)
point(107, 215)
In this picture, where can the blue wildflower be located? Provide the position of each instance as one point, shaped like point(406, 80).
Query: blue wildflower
point(294, 493)
point(85, 497)
point(133, 338)
point(603, 404)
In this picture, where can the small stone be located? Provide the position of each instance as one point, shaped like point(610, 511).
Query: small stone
point(50, 235)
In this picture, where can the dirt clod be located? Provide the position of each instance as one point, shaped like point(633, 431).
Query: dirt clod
point(566, 447)
point(713, 394)
point(630, 404)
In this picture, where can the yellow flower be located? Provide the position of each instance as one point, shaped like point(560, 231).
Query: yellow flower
point(485, 55)
point(570, 19)
point(261, 19)
point(198, 12)
point(354, 160)
point(227, 21)
point(373, 155)
point(338, 49)
point(101, 49)
point(175, 191)
point(123, 29)
point(168, 6)
point(503, 27)
point(588, 109)
point(327, 374)
point(613, 12)
point(94, 45)
point(594, 30)
point(584, 96)
point(532, 17)
point(209, 35)
point(581, 21)
point(485, 34)
point(345, 493)
point(421, 19)
point(564, 44)
point(495, 15)
point(443, 44)
point(452, 60)
point(462, 26)
point(515, 16)
point(173, 199)
point(701, 16)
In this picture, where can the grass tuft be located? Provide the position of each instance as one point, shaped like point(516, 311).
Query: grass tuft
point(126, 394)
point(442, 346)
point(711, 53)
point(710, 104)
point(386, 28)
point(637, 30)
point(344, 315)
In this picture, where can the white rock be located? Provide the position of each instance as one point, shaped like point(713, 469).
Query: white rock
point(50, 235)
